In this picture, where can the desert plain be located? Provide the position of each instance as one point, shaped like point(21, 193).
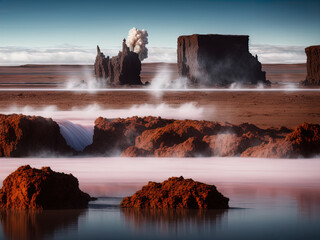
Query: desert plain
point(284, 103)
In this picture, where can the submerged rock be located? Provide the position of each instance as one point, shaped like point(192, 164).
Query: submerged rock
point(177, 192)
point(31, 188)
point(22, 136)
point(218, 60)
point(313, 65)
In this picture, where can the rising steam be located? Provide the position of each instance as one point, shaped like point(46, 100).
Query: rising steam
point(137, 41)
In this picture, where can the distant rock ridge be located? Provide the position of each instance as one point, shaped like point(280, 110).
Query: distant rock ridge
point(31, 188)
point(123, 69)
point(177, 192)
point(313, 65)
point(215, 59)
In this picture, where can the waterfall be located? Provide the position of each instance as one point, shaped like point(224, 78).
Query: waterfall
point(76, 136)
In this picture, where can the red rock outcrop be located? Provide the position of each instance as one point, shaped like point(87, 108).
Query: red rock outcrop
point(150, 136)
point(218, 60)
point(177, 192)
point(119, 70)
point(114, 135)
point(31, 188)
point(22, 136)
point(192, 147)
point(313, 65)
point(133, 151)
point(304, 141)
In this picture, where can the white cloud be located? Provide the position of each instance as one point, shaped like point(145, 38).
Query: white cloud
point(279, 54)
point(77, 55)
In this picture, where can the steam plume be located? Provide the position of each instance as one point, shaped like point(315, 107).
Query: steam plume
point(137, 41)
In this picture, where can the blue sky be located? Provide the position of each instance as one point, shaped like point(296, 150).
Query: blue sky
point(86, 23)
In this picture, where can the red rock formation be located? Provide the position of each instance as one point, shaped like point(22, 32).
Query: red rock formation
point(313, 65)
point(192, 147)
point(22, 135)
point(227, 144)
point(271, 149)
point(175, 133)
point(133, 151)
point(177, 192)
point(30, 188)
point(150, 136)
point(113, 135)
point(218, 60)
point(304, 141)
point(119, 70)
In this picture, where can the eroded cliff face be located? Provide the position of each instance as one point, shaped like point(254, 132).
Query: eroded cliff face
point(22, 136)
point(218, 60)
point(157, 137)
point(177, 192)
point(112, 136)
point(313, 65)
point(123, 69)
point(31, 188)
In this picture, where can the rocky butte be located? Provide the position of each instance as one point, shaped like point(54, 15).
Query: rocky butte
point(313, 66)
point(123, 69)
point(218, 60)
point(31, 188)
point(177, 192)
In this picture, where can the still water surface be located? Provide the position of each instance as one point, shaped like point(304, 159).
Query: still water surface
point(269, 199)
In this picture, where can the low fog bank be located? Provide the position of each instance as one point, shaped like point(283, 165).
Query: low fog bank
point(214, 170)
point(86, 116)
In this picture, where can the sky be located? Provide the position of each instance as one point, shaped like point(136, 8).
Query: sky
point(67, 31)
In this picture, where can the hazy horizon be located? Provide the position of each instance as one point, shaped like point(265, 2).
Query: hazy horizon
point(67, 32)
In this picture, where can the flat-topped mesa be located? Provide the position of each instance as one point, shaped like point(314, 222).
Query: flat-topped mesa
point(177, 192)
point(218, 60)
point(123, 69)
point(31, 188)
point(313, 65)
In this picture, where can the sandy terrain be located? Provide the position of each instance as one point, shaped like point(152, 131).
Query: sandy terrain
point(57, 75)
point(265, 109)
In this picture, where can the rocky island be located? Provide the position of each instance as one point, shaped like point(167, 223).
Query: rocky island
point(31, 188)
point(177, 192)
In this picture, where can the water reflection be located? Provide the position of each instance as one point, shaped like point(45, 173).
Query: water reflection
point(168, 221)
point(33, 225)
